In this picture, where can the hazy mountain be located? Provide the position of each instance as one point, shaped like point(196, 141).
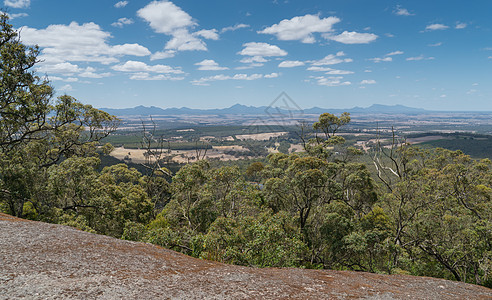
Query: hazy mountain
point(239, 109)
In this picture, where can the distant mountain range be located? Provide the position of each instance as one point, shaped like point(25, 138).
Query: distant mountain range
point(239, 109)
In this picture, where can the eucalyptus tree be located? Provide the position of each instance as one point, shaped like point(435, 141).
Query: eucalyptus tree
point(36, 130)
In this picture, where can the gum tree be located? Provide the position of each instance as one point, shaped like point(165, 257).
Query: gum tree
point(36, 130)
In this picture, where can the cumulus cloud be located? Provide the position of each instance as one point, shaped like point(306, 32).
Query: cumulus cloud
point(387, 57)
point(209, 65)
point(381, 59)
point(420, 57)
point(167, 18)
point(461, 26)
point(68, 69)
point(129, 49)
point(329, 71)
point(17, 3)
point(400, 11)
point(66, 88)
point(261, 49)
point(301, 28)
point(209, 34)
point(271, 75)
point(435, 44)
point(205, 81)
point(90, 72)
point(254, 59)
point(331, 59)
point(138, 66)
point(234, 28)
point(122, 22)
point(147, 76)
point(182, 40)
point(121, 4)
point(74, 42)
point(19, 15)
point(398, 52)
point(368, 81)
point(436, 27)
point(163, 54)
point(352, 37)
point(65, 68)
point(330, 81)
point(290, 64)
point(68, 79)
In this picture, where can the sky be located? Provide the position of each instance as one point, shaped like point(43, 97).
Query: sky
point(213, 54)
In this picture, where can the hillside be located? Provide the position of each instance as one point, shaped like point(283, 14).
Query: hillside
point(45, 261)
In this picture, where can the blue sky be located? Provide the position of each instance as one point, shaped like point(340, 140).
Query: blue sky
point(213, 54)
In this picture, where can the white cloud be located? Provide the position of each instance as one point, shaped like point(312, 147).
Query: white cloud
point(138, 66)
point(210, 34)
point(122, 22)
point(74, 42)
point(163, 54)
point(253, 59)
point(382, 59)
point(234, 28)
point(69, 79)
point(69, 69)
point(65, 68)
point(204, 81)
point(331, 81)
point(209, 65)
point(436, 27)
point(400, 11)
point(19, 15)
point(121, 4)
point(17, 3)
point(147, 76)
point(301, 28)
point(184, 41)
point(420, 57)
point(272, 75)
point(66, 88)
point(331, 59)
point(443, 96)
point(368, 81)
point(461, 26)
point(167, 18)
point(435, 45)
point(329, 71)
point(90, 72)
point(352, 37)
point(398, 52)
point(291, 64)
point(129, 49)
point(261, 49)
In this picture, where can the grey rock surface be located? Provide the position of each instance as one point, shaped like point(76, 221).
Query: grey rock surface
point(46, 261)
